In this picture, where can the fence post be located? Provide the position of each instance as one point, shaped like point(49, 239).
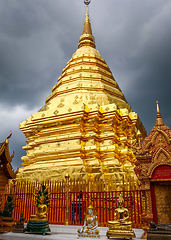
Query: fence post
point(67, 199)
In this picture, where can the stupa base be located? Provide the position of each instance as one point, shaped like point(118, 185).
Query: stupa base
point(159, 236)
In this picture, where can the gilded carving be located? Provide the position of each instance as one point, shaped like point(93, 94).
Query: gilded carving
point(158, 157)
point(60, 105)
point(75, 102)
point(157, 133)
point(80, 85)
point(56, 112)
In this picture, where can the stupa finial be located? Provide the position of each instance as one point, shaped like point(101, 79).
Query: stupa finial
point(87, 38)
point(87, 2)
point(159, 120)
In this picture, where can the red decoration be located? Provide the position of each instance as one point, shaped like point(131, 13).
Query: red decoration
point(162, 172)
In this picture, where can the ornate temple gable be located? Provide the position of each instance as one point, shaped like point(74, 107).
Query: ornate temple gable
point(160, 132)
point(6, 170)
point(161, 157)
point(155, 151)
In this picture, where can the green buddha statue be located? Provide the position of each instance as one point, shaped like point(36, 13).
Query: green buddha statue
point(7, 224)
point(9, 207)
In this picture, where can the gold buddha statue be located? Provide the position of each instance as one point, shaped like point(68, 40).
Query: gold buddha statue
point(121, 227)
point(90, 225)
point(39, 223)
point(41, 210)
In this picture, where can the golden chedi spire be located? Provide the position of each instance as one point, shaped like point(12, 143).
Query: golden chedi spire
point(87, 38)
point(159, 120)
point(86, 127)
point(87, 76)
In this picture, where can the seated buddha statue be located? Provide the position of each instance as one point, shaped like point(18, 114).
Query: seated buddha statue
point(41, 210)
point(90, 224)
point(121, 214)
point(121, 226)
point(39, 223)
point(7, 221)
point(8, 208)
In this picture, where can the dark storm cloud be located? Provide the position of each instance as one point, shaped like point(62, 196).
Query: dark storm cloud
point(137, 49)
point(33, 46)
point(38, 37)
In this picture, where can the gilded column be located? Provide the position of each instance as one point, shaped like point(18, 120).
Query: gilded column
point(67, 199)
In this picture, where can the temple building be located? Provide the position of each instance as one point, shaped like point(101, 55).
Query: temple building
point(6, 170)
point(153, 169)
point(86, 128)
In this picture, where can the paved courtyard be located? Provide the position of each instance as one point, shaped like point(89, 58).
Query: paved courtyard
point(61, 232)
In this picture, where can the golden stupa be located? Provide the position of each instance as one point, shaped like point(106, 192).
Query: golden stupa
point(86, 127)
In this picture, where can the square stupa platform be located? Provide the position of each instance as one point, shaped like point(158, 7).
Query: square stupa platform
point(61, 232)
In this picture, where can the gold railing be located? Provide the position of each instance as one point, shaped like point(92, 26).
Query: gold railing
point(70, 198)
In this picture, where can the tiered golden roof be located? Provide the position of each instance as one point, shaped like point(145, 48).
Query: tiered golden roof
point(86, 126)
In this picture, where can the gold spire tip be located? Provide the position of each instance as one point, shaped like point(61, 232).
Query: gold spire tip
point(157, 106)
point(159, 120)
point(87, 2)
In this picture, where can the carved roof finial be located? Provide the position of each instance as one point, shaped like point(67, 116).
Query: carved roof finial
point(159, 120)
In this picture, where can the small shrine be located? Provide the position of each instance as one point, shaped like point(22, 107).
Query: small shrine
point(153, 169)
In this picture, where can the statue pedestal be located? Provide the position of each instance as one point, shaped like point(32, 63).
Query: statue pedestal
point(18, 229)
point(37, 226)
point(120, 231)
point(88, 235)
point(159, 232)
point(7, 224)
point(159, 235)
point(19, 226)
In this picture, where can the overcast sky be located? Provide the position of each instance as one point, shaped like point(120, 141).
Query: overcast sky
point(38, 37)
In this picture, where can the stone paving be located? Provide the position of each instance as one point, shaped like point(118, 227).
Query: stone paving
point(61, 232)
